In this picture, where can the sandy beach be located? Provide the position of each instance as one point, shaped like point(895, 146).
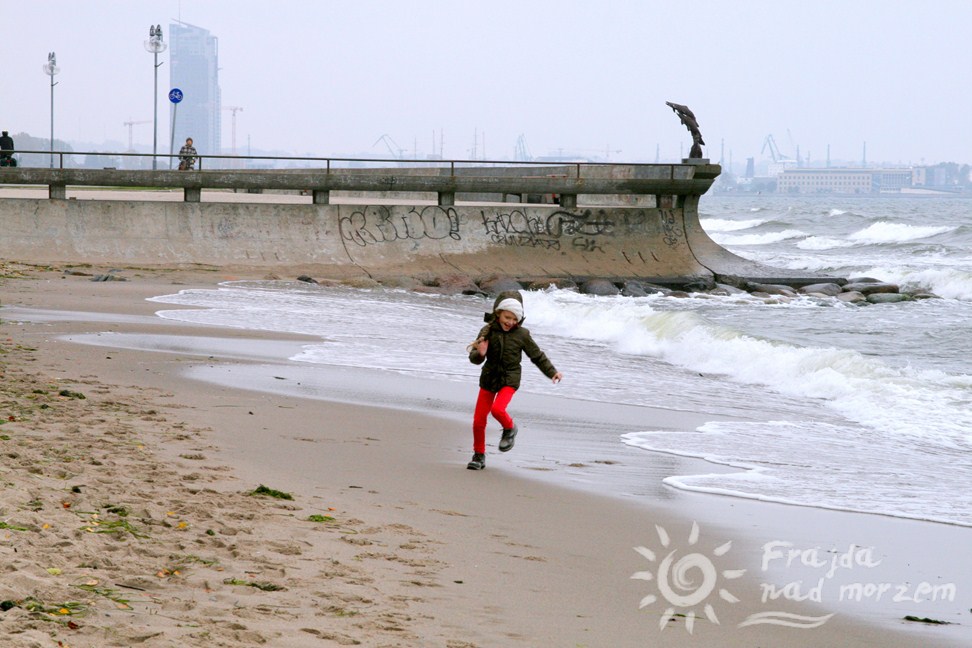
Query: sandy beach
point(132, 512)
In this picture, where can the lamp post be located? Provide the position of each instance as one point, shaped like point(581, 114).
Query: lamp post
point(155, 45)
point(51, 69)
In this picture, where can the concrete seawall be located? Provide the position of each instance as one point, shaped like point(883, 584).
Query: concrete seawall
point(613, 221)
point(664, 245)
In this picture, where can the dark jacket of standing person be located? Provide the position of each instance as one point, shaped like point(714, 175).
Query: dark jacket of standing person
point(187, 156)
point(6, 144)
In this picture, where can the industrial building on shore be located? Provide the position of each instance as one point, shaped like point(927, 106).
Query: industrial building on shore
point(848, 180)
point(855, 180)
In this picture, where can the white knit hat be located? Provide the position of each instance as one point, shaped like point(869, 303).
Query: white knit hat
point(511, 305)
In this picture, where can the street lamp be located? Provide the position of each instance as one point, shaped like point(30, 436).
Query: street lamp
point(51, 69)
point(155, 45)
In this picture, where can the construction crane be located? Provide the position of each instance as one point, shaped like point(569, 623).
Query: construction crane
point(396, 152)
point(770, 143)
point(233, 110)
point(131, 146)
point(522, 153)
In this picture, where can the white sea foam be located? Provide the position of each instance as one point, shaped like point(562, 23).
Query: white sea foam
point(726, 225)
point(948, 282)
point(823, 243)
point(863, 389)
point(759, 239)
point(835, 467)
point(901, 422)
point(885, 232)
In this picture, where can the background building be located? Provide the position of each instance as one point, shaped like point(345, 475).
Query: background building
point(843, 180)
point(194, 69)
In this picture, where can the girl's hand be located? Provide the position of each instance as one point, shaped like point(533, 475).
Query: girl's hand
point(557, 378)
point(481, 347)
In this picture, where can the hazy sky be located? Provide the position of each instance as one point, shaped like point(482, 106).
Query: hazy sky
point(588, 77)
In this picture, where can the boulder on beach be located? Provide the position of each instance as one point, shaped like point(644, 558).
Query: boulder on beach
point(852, 297)
point(887, 298)
point(455, 285)
point(551, 282)
point(868, 288)
point(699, 285)
point(828, 289)
point(601, 287)
point(495, 284)
point(770, 289)
point(727, 289)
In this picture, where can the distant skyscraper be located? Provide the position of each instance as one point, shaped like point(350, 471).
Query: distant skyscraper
point(194, 69)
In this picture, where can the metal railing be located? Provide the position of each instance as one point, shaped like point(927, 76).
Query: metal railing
point(446, 178)
point(326, 162)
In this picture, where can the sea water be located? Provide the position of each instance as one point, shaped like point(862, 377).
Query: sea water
point(812, 401)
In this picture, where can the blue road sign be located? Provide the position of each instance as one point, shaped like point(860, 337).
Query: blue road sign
point(175, 95)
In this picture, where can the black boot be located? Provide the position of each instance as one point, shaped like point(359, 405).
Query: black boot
point(478, 462)
point(508, 439)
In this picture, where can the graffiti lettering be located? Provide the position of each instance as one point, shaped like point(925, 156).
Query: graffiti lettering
point(226, 228)
point(634, 222)
point(526, 240)
point(564, 222)
point(516, 222)
point(585, 244)
point(560, 223)
point(669, 226)
point(382, 224)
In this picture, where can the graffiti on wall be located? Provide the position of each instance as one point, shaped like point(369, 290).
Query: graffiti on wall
point(585, 231)
point(385, 224)
point(565, 223)
point(518, 229)
point(590, 231)
point(670, 227)
point(584, 244)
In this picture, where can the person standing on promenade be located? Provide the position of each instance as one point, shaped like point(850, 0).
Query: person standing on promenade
point(187, 156)
point(500, 344)
point(7, 144)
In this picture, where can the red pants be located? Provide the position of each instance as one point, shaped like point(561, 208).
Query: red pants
point(490, 403)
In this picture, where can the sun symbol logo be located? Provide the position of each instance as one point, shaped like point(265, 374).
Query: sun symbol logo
point(686, 581)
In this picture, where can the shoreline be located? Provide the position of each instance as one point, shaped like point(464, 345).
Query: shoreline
point(539, 564)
